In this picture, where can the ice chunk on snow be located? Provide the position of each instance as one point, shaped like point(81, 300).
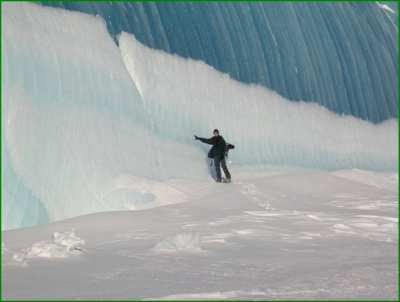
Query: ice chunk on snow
point(63, 245)
point(68, 239)
point(45, 249)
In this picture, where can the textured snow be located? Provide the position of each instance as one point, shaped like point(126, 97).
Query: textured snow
point(223, 243)
point(185, 242)
point(63, 245)
point(213, 295)
point(382, 180)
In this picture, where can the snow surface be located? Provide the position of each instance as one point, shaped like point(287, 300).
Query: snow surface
point(382, 180)
point(272, 234)
point(92, 126)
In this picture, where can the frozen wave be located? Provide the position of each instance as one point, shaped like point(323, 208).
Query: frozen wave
point(74, 123)
point(342, 55)
point(82, 115)
point(182, 96)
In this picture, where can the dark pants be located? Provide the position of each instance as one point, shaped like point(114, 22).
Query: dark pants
point(218, 162)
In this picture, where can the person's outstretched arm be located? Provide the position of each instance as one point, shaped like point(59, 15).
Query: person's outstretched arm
point(210, 141)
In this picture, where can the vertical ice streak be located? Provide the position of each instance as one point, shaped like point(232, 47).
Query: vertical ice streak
point(342, 55)
point(183, 96)
point(74, 123)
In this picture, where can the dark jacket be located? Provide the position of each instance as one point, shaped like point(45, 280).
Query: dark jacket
point(219, 148)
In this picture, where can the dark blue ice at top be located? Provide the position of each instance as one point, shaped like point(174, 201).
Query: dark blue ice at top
point(342, 55)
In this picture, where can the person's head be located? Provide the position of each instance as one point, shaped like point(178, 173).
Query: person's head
point(216, 132)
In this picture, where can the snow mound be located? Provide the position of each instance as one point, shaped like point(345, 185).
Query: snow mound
point(130, 192)
point(62, 245)
point(184, 242)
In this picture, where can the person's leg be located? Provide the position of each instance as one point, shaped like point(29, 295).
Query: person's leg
point(225, 168)
point(211, 168)
point(217, 162)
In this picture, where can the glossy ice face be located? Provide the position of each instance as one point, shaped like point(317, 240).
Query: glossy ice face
point(341, 55)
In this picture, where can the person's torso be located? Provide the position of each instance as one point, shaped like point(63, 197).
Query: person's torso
point(218, 149)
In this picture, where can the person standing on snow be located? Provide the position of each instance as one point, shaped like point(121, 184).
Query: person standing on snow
point(218, 152)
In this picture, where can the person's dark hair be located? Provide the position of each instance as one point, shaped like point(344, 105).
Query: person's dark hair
point(215, 130)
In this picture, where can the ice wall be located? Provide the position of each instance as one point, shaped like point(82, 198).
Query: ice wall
point(183, 96)
point(342, 55)
point(75, 138)
point(90, 126)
